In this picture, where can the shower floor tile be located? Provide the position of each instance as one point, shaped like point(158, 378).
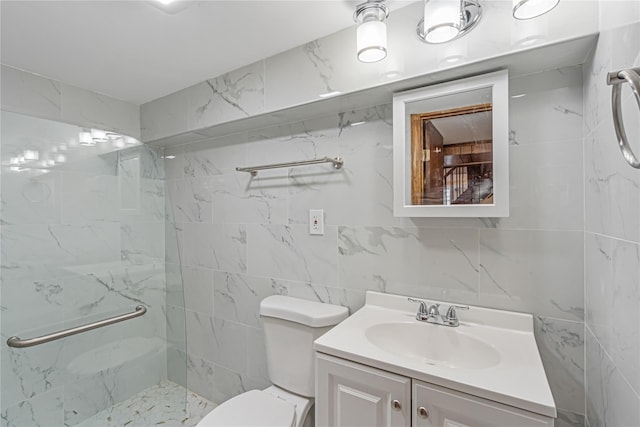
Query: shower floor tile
point(160, 405)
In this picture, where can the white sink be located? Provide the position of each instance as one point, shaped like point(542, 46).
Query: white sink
point(433, 344)
point(491, 354)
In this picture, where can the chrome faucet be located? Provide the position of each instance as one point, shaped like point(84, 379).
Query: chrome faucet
point(431, 313)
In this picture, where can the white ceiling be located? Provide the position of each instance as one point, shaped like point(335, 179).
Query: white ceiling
point(134, 51)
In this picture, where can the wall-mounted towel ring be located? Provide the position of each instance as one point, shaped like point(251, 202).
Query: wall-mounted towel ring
point(615, 79)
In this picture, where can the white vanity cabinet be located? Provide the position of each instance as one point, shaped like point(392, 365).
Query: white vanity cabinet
point(350, 394)
point(353, 395)
point(435, 406)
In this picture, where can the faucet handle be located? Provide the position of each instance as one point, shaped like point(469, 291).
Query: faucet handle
point(452, 316)
point(422, 309)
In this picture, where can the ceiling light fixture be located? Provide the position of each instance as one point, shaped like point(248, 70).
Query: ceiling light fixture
point(446, 20)
point(372, 31)
point(527, 9)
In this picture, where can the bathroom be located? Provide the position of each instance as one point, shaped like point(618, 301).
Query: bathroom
point(110, 202)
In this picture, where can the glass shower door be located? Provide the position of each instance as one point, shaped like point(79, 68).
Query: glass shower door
point(82, 235)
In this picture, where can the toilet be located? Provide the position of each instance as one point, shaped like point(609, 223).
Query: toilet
point(291, 325)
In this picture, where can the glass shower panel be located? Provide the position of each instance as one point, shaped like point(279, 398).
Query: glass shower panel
point(82, 236)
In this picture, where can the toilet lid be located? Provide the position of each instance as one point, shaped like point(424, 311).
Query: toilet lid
point(251, 409)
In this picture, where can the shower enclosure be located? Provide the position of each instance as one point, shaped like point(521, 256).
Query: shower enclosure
point(82, 235)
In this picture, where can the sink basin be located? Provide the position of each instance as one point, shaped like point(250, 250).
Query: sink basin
point(433, 344)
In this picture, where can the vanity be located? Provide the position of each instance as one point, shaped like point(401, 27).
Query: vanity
point(384, 367)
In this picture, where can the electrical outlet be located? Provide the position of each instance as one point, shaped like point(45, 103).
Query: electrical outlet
point(316, 221)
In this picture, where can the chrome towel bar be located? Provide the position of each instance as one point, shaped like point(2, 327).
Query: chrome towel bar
point(20, 343)
point(253, 170)
point(615, 79)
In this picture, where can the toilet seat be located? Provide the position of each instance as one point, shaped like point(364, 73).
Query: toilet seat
point(254, 408)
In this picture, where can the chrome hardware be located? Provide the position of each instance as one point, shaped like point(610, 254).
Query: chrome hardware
point(422, 411)
point(452, 316)
point(615, 79)
point(396, 405)
point(422, 313)
point(20, 343)
point(431, 313)
point(253, 170)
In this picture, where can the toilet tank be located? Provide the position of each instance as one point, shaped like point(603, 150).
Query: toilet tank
point(291, 325)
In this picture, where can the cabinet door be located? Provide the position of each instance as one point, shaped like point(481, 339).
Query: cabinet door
point(435, 406)
point(352, 395)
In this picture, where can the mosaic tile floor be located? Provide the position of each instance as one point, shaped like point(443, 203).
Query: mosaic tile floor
point(160, 405)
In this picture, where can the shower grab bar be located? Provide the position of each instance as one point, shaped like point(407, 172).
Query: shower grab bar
point(616, 79)
point(20, 343)
point(253, 170)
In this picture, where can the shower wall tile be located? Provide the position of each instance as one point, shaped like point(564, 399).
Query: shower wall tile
point(91, 109)
point(442, 262)
point(215, 156)
point(89, 197)
point(44, 410)
point(289, 252)
point(191, 199)
point(31, 94)
point(553, 98)
point(164, 116)
point(229, 345)
point(200, 376)
point(551, 174)
point(237, 297)
point(250, 200)
point(235, 95)
point(31, 200)
point(198, 289)
point(610, 399)
point(216, 246)
point(561, 346)
point(538, 272)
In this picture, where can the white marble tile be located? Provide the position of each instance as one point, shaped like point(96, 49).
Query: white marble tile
point(257, 356)
point(30, 94)
point(537, 272)
point(240, 198)
point(29, 200)
point(177, 365)
point(44, 410)
point(234, 95)
point(289, 252)
point(413, 261)
point(198, 289)
point(309, 139)
point(60, 245)
point(237, 297)
point(89, 197)
point(551, 97)
point(201, 334)
point(174, 236)
point(142, 242)
point(612, 196)
point(215, 156)
point(216, 246)
point(610, 399)
point(625, 345)
point(546, 187)
point(353, 299)
point(229, 384)
point(598, 287)
point(200, 377)
point(174, 162)
point(164, 116)
point(229, 343)
point(361, 192)
point(165, 403)
point(561, 346)
point(191, 199)
point(176, 328)
point(87, 108)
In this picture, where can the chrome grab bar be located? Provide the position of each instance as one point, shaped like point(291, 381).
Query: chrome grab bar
point(20, 343)
point(253, 170)
point(615, 79)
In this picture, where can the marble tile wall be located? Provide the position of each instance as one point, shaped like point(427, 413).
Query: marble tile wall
point(612, 231)
point(305, 73)
point(242, 239)
point(38, 96)
point(79, 242)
